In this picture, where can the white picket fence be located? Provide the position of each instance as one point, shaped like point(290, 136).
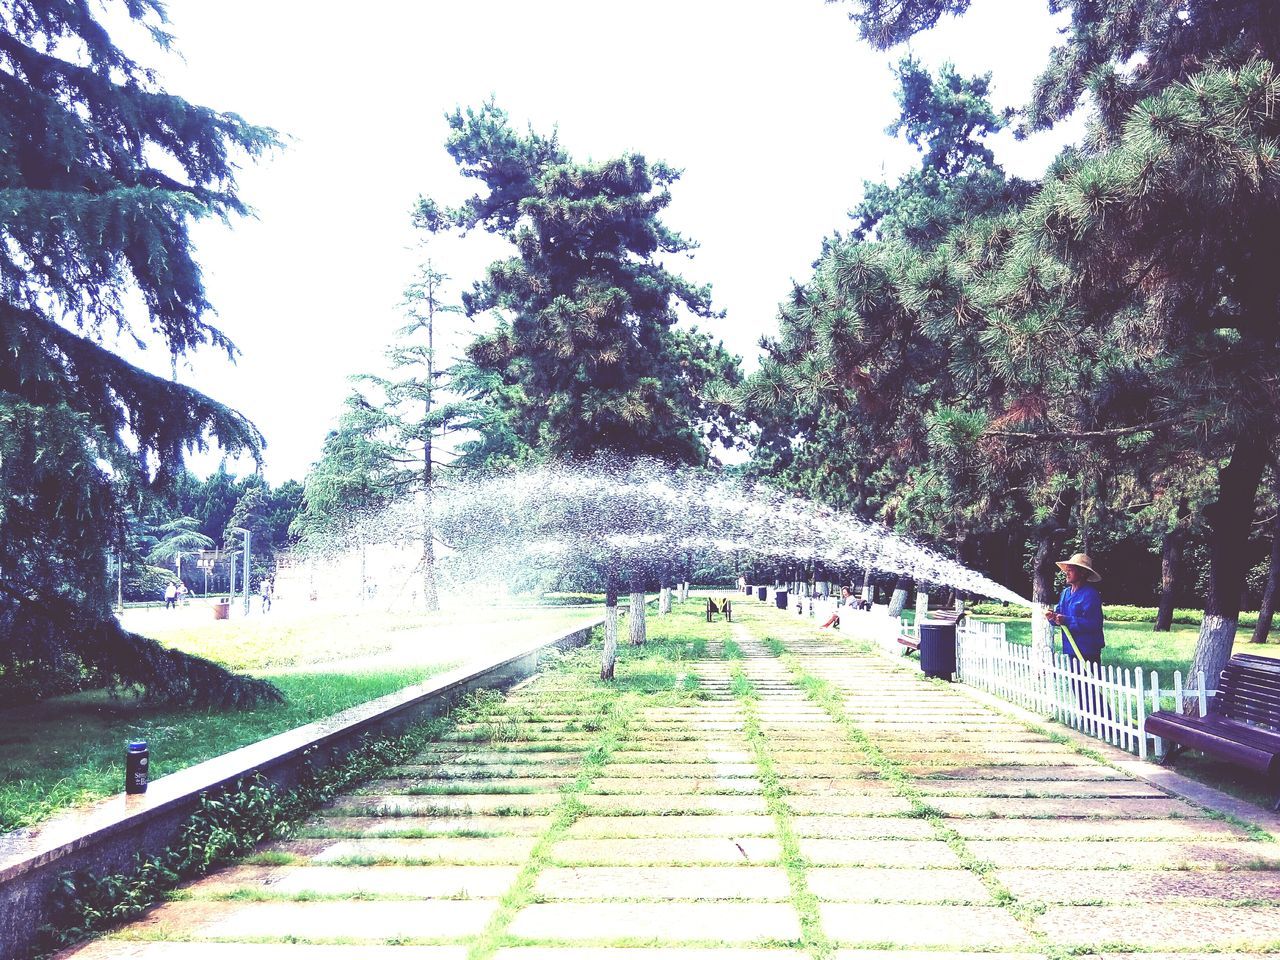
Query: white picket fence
point(1106, 702)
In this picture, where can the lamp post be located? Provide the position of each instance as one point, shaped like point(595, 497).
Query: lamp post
point(244, 570)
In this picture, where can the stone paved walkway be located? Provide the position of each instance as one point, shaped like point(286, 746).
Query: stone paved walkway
point(821, 803)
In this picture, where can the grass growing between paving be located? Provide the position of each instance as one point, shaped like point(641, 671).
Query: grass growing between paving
point(81, 737)
point(813, 938)
point(830, 698)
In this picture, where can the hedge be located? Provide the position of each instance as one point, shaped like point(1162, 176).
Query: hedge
point(1118, 613)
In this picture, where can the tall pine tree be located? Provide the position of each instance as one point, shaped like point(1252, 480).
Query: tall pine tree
point(101, 175)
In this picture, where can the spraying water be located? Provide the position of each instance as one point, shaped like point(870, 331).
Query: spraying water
point(641, 519)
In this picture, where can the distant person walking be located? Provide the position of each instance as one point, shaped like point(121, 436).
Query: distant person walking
point(171, 596)
point(265, 588)
point(1080, 610)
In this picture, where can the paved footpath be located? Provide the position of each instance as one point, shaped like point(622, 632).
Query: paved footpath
point(818, 803)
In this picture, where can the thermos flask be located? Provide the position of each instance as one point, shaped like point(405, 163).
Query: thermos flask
point(136, 761)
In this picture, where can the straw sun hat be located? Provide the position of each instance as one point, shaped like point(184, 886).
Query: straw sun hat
point(1082, 561)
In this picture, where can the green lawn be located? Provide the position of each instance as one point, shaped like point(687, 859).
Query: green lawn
point(70, 750)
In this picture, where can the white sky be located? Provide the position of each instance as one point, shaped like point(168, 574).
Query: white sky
point(773, 108)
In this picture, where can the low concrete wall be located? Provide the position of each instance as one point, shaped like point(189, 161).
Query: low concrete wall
point(105, 838)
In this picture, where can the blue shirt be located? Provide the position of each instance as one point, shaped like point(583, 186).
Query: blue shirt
point(1081, 611)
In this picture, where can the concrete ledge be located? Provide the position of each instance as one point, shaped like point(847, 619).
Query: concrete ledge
point(105, 838)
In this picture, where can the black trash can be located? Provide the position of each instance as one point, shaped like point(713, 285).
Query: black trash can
point(780, 598)
point(761, 591)
point(938, 649)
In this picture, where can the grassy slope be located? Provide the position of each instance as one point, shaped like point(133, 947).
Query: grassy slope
point(70, 750)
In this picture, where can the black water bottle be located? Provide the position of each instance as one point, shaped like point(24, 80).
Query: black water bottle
point(136, 761)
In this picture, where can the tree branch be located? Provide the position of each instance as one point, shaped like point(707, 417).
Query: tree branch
point(1085, 434)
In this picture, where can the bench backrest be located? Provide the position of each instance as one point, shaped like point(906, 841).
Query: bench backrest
point(1249, 691)
point(945, 616)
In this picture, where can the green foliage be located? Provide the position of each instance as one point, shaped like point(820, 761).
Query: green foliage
point(227, 824)
point(584, 356)
point(101, 176)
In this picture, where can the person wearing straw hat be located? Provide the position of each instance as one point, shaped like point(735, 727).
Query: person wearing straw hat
point(1079, 610)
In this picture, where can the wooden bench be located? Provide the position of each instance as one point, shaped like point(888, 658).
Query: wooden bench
point(1243, 723)
point(725, 606)
point(912, 640)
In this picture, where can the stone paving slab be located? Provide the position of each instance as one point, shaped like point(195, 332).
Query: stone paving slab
point(878, 853)
point(888, 884)
point(373, 826)
point(512, 804)
point(1044, 829)
point(488, 755)
point(840, 753)
point(851, 806)
point(682, 770)
point(683, 756)
point(655, 850)
point(673, 785)
point(674, 826)
point(1171, 926)
point(1168, 855)
point(442, 849)
point(922, 925)
point(1137, 808)
point(675, 803)
point(1040, 788)
point(831, 786)
point(1012, 771)
point(122, 950)
point(840, 771)
point(663, 883)
point(1141, 886)
point(670, 922)
point(861, 828)
point(521, 786)
point(482, 771)
point(321, 920)
point(453, 880)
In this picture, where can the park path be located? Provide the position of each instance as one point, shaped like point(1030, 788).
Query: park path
point(818, 803)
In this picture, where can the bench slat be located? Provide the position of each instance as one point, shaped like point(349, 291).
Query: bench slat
point(1223, 743)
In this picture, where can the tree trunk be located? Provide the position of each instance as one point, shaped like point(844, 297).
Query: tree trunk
point(664, 601)
point(1170, 569)
point(1229, 520)
point(1267, 610)
point(637, 615)
point(430, 595)
point(1052, 535)
point(609, 658)
point(899, 601)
